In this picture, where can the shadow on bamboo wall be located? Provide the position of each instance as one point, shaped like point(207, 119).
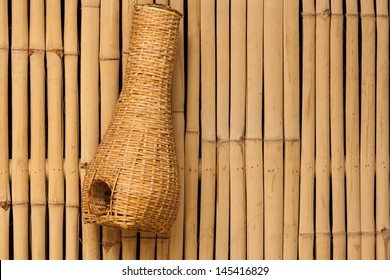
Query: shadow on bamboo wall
point(281, 121)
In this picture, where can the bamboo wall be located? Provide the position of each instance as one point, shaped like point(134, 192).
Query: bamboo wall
point(281, 117)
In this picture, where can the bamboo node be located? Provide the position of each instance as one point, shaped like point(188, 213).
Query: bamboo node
point(382, 16)
point(367, 15)
point(84, 165)
point(5, 205)
point(107, 245)
point(324, 14)
point(32, 51)
point(306, 14)
point(109, 59)
point(368, 233)
point(385, 233)
point(58, 52)
point(351, 15)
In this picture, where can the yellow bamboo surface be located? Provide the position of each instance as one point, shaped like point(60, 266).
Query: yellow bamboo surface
point(19, 115)
point(5, 198)
point(192, 132)
point(223, 153)
point(337, 129)
point(280, 112)
point(56, 195)
point(367, 130)
point(273, 129)
point(71, 94)
point(291, 128)
point(382, 133)
point(352, 132)
point(38, 143)
point(306, 194)
point(172, 248)
point(89, 108)
point(322, 130)
point(208, 101)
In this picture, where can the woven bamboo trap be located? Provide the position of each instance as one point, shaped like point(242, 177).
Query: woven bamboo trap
point(132, 181)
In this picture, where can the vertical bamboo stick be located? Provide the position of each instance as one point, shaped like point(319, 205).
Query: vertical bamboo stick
point(367, 131)
point(147, 239)
point(71, 130)
point(352, 132)
point(55, 142)
point(237, 127)
point(147, 246)
point(163, 249)
point(109, 84)
point(89, 91)
point(306, 194)
point(178, 95)
point(5, 198)
point(291, 129)
point(273, 129)
point(38, 130)
point(382, 131)
point(129, 238)
point(129, 245)
point(223, 165)
point(207, 203)
point(322, 130)
point(254, 127)
point(127, 14)
point(20, 184)
point(192, 132)
point(337, 129)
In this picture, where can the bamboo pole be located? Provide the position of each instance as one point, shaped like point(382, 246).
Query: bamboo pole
point(306, 194)
point(20, 184)
point(254, 128)
point(71, 130)
point(322, 130)
point(38, 130)
point(352, 132)
point(147, 246)
point(126, 17)
point(223, 165)
point(129, 245)
point(273, 129)
point(337, 129)
point(382, 132)
point(178, 95)
point(5, 198)
point(109, 84)
point(237, 127)
point(208, 116)
point(129, 238)
point(163, 248)
point(192, 132)
point(367, 130)
point(89, 91)
point(291, 129)
point(54, 54)
point(147, 239)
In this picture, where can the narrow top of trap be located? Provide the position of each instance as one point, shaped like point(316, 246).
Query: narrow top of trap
point(159, 7)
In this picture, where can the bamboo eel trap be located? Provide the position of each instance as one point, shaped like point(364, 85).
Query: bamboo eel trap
point(132, 181)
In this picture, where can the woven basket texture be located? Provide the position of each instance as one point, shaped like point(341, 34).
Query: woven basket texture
point(132, 181)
